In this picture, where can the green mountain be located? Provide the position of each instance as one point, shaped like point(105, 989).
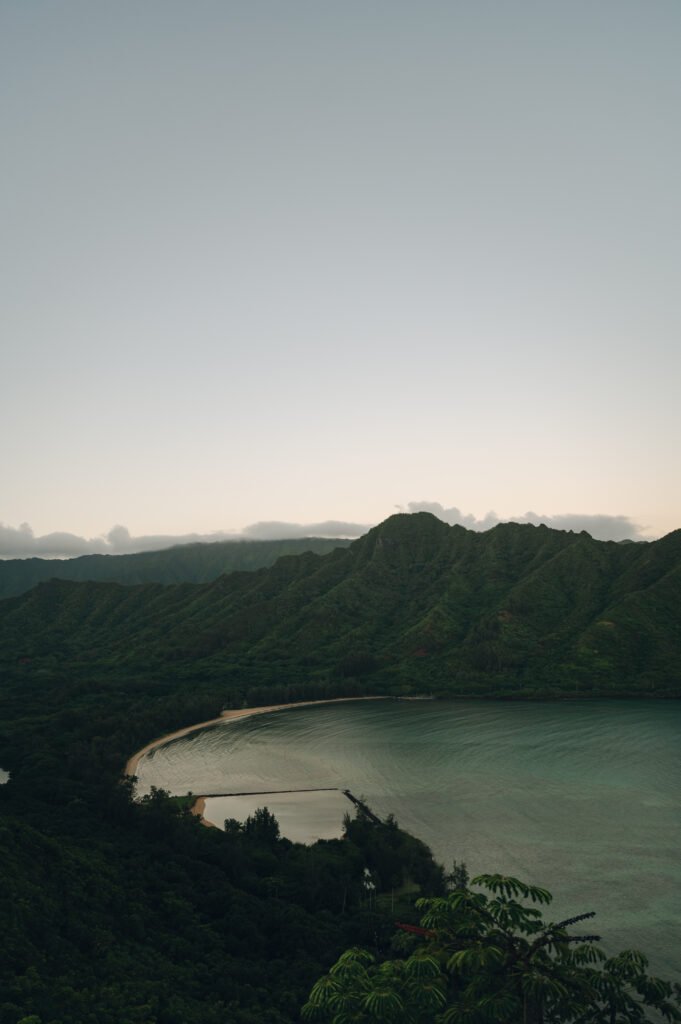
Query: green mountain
point(184, 563)
point(413, 606)
point(125, 913)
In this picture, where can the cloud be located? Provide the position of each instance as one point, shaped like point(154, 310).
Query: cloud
point(453, 516)
point(120, 542)
point(600, 527)
point(21, 542)
point(285, 531)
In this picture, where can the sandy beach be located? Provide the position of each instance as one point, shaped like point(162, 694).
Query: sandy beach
point(197, 808)
point(228, 715)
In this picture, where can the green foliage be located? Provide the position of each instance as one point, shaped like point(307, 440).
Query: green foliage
point(122, 913)
point(458, 878)
point(487, 958)
point(263, 826)
point(357, 989)
point(393, 857)
point(413, 606)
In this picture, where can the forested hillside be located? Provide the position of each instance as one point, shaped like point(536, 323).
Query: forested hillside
point(414, 605)
point(124, 913)
point(115, 912)
point(184, 563)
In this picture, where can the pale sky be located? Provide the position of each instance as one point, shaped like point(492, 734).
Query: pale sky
point(312, 261)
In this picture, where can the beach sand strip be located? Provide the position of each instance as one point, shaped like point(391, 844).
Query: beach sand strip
point(228, 715)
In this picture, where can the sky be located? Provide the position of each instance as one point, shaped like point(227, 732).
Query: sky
point(271, 266)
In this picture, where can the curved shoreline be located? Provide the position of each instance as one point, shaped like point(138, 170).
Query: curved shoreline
point(232, 713)
point(197, 808)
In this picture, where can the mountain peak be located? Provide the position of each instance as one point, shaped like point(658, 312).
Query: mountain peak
point(415, 536)
point(405, 524)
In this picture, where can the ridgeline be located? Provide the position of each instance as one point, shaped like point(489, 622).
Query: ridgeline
point(412, 606)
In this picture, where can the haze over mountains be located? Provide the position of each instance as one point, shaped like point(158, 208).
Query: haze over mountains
point(183, 563)
point(413, 606)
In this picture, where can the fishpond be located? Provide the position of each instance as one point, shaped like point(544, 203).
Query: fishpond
point(579, 797)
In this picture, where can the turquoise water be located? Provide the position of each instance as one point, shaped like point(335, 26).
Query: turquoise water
point(581, 798)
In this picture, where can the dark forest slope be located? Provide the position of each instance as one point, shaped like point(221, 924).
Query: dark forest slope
point(414, 604)
point(125, 913)
point(184, 563)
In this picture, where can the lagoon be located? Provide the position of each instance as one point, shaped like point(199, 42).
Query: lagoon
point(579, 797)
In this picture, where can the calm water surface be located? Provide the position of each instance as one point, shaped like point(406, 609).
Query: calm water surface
point(581, 798)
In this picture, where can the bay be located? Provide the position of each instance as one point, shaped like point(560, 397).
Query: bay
point(580, 797)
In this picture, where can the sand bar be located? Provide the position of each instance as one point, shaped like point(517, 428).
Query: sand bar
point(228, 715)
point(197, 808)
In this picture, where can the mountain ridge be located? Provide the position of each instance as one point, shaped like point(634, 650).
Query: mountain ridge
point(413, 605)
point(198, 562)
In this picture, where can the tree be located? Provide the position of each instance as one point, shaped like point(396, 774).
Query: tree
point(491, 958)
point(263, 826)
point(458, 877)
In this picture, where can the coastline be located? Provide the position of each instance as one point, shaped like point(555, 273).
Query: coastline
point(228, 715)
point(197, 808)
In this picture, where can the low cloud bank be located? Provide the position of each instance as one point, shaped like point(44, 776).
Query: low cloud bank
point(288, 531)
point(598, 526)
point(21, 542)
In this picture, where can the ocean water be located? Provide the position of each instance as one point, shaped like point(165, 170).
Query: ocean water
point(580, 797)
